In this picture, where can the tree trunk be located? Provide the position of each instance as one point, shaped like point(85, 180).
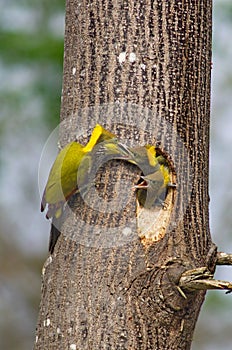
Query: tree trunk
point(142, 69)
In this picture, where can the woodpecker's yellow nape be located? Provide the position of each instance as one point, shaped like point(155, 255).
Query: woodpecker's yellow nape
point(98, 135)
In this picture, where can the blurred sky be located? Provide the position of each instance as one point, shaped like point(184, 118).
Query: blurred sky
point(24, 128)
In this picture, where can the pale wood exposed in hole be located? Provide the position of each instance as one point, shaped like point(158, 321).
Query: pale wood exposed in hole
point(153, 223)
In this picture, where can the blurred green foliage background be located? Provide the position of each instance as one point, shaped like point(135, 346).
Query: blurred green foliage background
point(31, 59)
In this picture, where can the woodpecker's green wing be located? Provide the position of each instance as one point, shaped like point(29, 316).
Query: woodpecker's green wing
point(62, 177)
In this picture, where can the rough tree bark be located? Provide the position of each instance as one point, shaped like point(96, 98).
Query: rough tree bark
point(141, 68)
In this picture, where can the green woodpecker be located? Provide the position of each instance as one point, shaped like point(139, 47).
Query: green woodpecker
point(62, 179)
point(156, 176)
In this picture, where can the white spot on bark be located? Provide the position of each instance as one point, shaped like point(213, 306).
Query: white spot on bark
point(47, 322)
point(36, 339)
point(143, 66)
point(132, 57)
point(70, 330)
point(72, 347)
point(74, 70)
point(58, 330)
point(122, 57)
point(126, 231)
